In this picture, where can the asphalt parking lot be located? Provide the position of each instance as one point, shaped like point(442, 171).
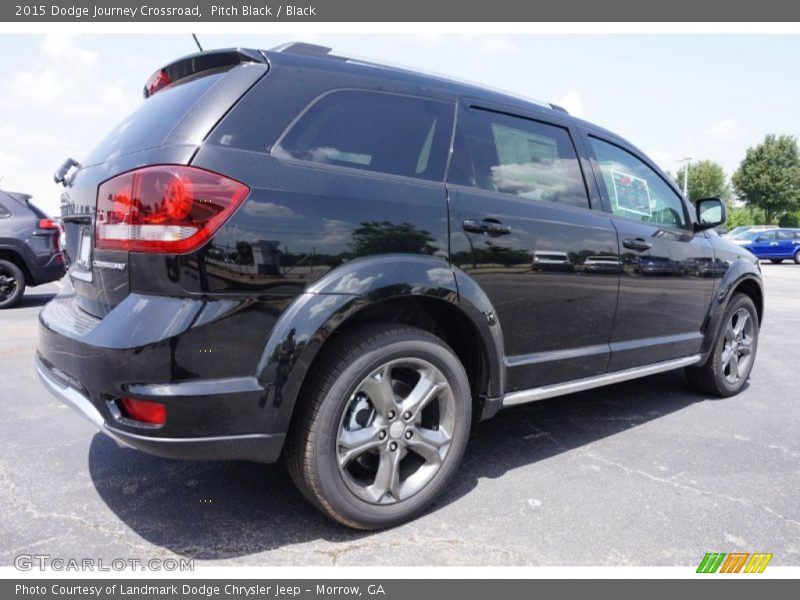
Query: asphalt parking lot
point(641, 473)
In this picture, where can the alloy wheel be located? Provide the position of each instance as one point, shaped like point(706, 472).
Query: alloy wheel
point(395, 431)
point(737, 349)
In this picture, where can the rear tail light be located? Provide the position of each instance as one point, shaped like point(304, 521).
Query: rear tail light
point(51, 225)
point(153, 413)
point(48, 224)
point(166, 208)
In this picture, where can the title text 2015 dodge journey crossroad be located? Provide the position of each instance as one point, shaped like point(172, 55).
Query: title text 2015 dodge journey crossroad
point(293, 253)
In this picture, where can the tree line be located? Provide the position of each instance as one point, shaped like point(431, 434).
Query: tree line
point(764, 190)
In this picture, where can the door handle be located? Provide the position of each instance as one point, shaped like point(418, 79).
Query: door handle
point(637, 244)
point(493, 228)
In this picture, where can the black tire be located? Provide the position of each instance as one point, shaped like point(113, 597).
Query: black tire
point(313, 447)
point(797, 257)
point(12, 284)
point(776, 261)
point(713, 377)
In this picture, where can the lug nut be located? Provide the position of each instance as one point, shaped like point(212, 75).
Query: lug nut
point(391, 414)
point(393, 446)
point(407, 416)
point(382, 435)
point(409, 434)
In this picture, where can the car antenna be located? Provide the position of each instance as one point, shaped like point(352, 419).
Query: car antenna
point(196, 41)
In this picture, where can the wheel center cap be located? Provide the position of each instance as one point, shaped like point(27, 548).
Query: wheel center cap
point(396, 430)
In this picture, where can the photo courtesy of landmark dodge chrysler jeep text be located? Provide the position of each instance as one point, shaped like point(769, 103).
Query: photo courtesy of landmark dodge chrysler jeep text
point(294, 254)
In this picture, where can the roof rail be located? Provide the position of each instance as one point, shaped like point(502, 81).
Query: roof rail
point(559, 108)
point(303, 48)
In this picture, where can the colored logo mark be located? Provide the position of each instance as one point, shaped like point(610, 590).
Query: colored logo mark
point(735, 562)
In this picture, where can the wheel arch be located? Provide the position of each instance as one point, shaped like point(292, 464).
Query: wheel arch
point(12, 255)
point(743, 276)
point(413, 290)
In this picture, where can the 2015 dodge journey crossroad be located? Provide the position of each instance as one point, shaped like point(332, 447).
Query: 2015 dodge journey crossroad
point(292, 254)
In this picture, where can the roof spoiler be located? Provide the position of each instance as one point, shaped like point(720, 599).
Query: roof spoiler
point(198, 62)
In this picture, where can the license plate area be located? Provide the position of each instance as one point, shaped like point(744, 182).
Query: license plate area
point(84, 259)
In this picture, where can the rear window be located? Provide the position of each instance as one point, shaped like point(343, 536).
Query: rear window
point(373, 131)
point(150, 124)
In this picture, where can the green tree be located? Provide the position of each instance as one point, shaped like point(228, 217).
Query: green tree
point(769, 176)
point(706, 180)
point(374, 237)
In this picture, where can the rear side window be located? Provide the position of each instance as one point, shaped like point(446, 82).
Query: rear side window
point(636, 191)
point(787, 235)
point(373, 131)
point(522, 157)
point(149, 125)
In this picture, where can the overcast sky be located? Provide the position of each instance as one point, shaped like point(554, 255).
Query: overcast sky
point(708, 96)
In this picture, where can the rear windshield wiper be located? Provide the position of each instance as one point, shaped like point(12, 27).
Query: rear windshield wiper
point(60, 175)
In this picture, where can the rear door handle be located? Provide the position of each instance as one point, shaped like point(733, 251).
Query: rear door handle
point(493, 228)
point(637, 244)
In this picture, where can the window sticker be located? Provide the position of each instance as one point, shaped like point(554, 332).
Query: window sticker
point(631, 193)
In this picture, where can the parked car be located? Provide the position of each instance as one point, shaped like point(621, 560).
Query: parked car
point(395, 307)
point(30, 254)
point(775, 245)
point(737, 232)
point(551, 260)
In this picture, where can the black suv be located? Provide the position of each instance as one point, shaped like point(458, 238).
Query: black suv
point(29, 247)
point(293, 253)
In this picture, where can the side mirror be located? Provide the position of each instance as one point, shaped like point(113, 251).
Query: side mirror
point(710, 213)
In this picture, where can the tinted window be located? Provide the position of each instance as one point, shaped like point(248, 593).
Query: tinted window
point(373, 131)
point(149, 125)
point(636, 191)
point(4, 212)
point(512, 155)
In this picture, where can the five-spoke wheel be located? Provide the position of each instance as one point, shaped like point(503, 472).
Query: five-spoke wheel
point(383, 425)
point(396, 431)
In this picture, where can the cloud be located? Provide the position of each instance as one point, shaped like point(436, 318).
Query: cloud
point(57, 79)
point(727, 129)
point(59, 46)
point(269, 209)
point(495, 44)
point(572, 102)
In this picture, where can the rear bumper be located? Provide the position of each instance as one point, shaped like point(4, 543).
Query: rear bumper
point(196, 357)
point(53, 270)
point(256, 447)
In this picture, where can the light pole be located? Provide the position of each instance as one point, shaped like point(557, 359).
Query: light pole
point(685, 160)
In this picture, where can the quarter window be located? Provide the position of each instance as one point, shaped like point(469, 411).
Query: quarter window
point(635, 190)
point(518, 156)
point(373, 131)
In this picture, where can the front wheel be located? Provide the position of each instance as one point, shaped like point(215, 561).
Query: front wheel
point(797, 257)
point(383, 426)
point(726, 371)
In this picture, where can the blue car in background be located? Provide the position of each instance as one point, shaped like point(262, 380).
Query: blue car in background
point(776, 245)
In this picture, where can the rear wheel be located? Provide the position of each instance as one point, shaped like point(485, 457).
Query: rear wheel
point(383, 426)
point(12, 284)
point(726, 371)
point(776, 261)
point(797, 257)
